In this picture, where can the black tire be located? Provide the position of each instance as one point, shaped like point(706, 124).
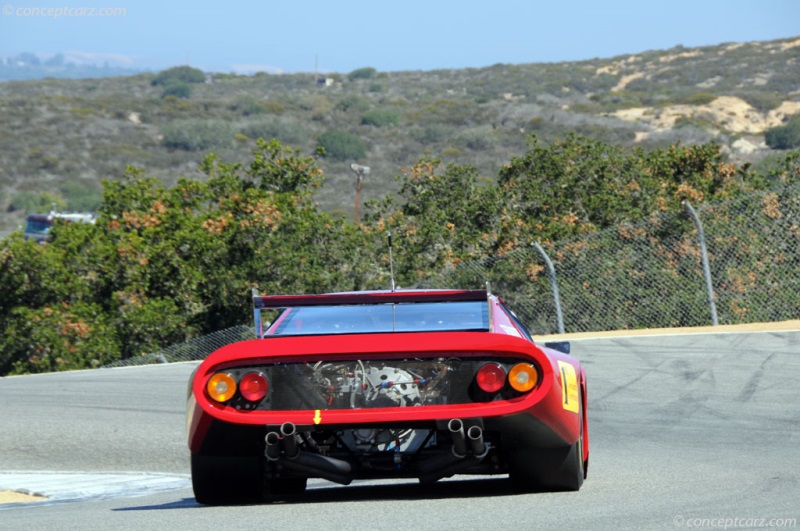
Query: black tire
point(227, 480)
point(276, 489)
point(548, 469)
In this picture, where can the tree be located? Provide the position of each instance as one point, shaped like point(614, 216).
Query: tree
point(184, 74)
point(162, 265)
point(442, 218)
point(579, 185)
point(362, 73)
point(178, 89)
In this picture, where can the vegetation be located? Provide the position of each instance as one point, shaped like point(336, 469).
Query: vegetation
point(166, 263)
point(58, 131)
point(177, 89)
point(490, 160)
point(341, 145)
point(784, 136)
point(197, 135)
point(179, 74)
point(380, 118)
point(362, 73)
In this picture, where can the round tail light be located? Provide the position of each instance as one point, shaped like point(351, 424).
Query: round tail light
point(221, 387)
point(253, 386)
point(491, 378)
point(523, 377)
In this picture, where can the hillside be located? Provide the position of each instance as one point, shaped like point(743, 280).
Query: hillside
point(60, 137)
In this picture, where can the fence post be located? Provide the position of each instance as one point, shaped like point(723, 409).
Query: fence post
point(704, 258)
point(554, 284)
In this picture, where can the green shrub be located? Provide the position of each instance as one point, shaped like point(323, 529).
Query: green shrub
point(362, 73)
point(763, 101)
point(431, 134)
point(42, 160)
point(197, 135)
point(247, 106)
point(57, 338)
point(448, 111)
point(285, 130)
point(353, 103)
point(698, 98)
point(784, 136)
point(380, 118)
point(318, 105)
point(36, 202)
point(185, 74)
point(81, 196)
point(476, 138)
point(341, 145)
point(274, 106)
point(178, 89)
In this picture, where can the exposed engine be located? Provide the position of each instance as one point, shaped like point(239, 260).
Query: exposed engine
point(370, 384)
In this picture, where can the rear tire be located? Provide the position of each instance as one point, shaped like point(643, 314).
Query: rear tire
point(548, 469)
point(226, 480)
point(276, 489)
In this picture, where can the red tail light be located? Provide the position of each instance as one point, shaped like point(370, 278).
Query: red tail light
point(491, 378)
point(253, 386)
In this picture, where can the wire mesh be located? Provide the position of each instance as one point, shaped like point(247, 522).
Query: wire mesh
point(649, 274)
point(642, 275)
point(193, 350)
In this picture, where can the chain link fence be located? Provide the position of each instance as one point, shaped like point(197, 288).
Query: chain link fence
point(650, 275)
point(645, 275)
point(193, 350)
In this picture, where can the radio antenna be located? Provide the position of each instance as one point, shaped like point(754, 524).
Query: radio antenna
point(391, 262)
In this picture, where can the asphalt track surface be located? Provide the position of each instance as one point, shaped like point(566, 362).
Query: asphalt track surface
point(686, 431)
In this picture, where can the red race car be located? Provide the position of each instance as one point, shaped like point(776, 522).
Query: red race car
point(385, 384)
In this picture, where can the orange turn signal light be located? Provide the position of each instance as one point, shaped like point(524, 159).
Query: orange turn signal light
point(523, 377)
point(221, 387)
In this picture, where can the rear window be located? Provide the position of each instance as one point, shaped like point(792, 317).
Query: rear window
point(38, 226)
point(382, 318)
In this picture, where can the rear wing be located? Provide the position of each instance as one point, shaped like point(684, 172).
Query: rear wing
point(360, 297)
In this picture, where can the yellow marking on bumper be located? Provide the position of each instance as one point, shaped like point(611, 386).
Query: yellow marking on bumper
point(569, 387)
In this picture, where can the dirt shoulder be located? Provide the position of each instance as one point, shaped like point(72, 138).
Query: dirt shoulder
point(9, 496)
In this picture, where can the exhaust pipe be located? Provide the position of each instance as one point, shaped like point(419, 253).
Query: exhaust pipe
point(288, 431)
point(273, 451)
point(456, 429)
point(320, 466)
point(283, 450)
point(446, 465)
point(432, 474)
point(476, 444)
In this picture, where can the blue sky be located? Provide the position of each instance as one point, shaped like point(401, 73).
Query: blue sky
point(342, 35)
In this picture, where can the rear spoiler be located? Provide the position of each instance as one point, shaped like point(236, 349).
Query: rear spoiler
point(361, 297)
